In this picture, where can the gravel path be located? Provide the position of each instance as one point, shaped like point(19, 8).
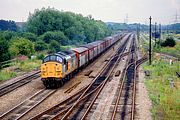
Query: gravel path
point(142, 100)
point(20, 94)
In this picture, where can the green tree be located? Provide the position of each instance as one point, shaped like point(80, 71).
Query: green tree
point(40, 45)
point(29, 36)
point(54, 46)
point(8, 25)
point(4, 50)
point(8, 35)
point(54, 35)
point(21, 46)
point(169, 42)
point(74, 26)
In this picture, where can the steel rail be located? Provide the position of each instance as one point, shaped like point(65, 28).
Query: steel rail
point(70, 110)
point(28, 106)
point(14, 85)
point(121, 84)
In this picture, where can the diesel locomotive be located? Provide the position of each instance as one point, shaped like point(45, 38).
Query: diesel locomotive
point(59, 67)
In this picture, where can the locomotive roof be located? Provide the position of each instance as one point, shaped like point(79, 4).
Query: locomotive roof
point(63, 55)
point(67, 53)
point(80, 49)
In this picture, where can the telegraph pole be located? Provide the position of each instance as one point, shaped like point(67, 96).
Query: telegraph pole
point(138, 31)
point(150, 41)
point(159, 34)
point(155, 34)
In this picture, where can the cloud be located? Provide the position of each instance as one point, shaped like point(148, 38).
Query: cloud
point(175, 4)
point(106, 10)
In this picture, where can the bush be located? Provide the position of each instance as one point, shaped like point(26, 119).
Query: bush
point(54, 35)
point(54, 46)
point(169, 42)
point(40, 56)
point(30, 36)
point(73, 26)
point(21, 46)
point(40, 45)
point(8, 35)
point(4, 55)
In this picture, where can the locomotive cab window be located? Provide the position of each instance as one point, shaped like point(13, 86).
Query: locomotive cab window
point(59, 59)
point(46, 59)
point(52, 58)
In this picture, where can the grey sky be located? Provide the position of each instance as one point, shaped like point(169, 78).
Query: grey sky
point(163, 11)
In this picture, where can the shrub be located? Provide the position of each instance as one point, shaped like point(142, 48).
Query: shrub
point(54, 46)
point(40, 56)
point(169, 42)
point(21, 46)
point(30, 36)
point(4, 55)
point(54, 35)
point(40, 45)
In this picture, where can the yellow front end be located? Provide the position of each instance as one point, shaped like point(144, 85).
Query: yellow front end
point(51, 70)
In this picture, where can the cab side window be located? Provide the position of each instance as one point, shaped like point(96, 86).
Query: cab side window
point(59, 59)
point(46, 59)
point(53, 58)
point(66, 65)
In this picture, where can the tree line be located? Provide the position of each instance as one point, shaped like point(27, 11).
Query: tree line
point(51, 30)
point(8, 25)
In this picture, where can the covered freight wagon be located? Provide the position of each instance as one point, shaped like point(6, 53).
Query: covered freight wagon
point(82, 55)
point(91, 50)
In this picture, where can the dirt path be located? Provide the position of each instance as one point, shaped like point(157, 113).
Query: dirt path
point(143, 102)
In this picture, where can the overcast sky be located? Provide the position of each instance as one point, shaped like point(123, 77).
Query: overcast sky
point(163, 11)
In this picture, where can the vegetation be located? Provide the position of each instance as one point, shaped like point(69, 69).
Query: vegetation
point(65, 26)
point(174, 51)
point(48, 30)
point(169, 42)
point(165, 99)
point(4, 49)
point(5, 75)
point(40, 45)
point(55, 35)
point(169, 46)
point(173, 28)
point(19, 67)
point(21, 46)
point(54, 46)
point(8, 25)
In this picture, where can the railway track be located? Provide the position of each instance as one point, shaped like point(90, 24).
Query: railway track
point(27, 105)
point(125, 100)
point(64, 108)
point(18, 83)
point(81, 108)
point(124, 106)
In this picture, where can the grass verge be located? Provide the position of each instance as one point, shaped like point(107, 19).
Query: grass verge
point(165, 99)
point(19, 67)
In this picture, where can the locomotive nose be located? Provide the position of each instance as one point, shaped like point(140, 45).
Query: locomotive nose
point(51, 70)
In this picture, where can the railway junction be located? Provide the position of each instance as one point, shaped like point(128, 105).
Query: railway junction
point(106, 89)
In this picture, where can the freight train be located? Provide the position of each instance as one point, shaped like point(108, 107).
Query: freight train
point(59, 67)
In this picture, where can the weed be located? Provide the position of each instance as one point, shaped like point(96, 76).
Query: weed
point(166, 100)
